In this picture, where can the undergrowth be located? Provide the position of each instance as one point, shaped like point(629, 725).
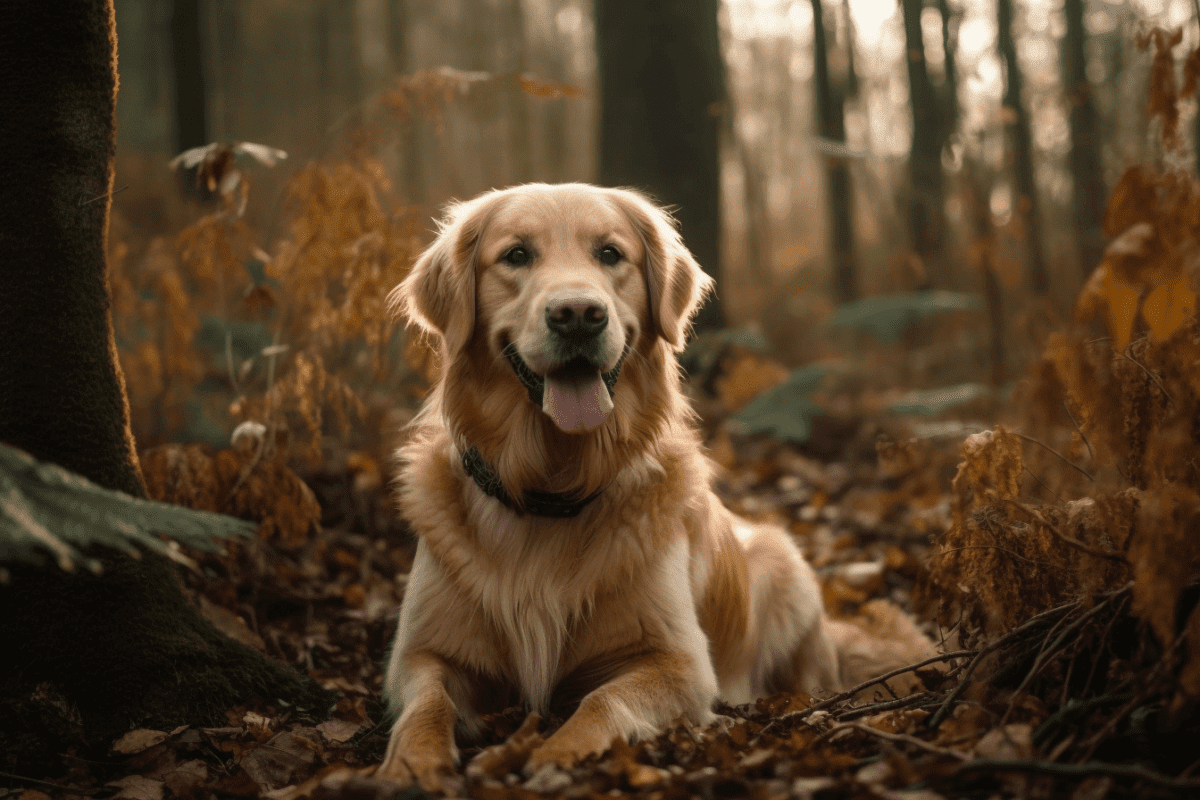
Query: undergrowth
point(1091, 510)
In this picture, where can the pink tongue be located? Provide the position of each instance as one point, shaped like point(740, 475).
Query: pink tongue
point(577, 403)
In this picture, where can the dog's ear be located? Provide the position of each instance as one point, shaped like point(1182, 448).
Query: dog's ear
point(675, 284)
point(438, 295)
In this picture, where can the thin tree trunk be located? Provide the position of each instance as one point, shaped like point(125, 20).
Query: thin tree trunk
point(187, 48)
point(949, 118)
point(1037, 277)
point(124, 648)
point(982, 230)
point(510, 24)
point(831, 123)
point(927, 208)
point(661, 92)
point(1087, 171)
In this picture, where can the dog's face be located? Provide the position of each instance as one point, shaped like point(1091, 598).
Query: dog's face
point(562, 282)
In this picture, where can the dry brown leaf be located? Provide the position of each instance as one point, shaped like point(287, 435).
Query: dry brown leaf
point(283, 759)
point(136, 787)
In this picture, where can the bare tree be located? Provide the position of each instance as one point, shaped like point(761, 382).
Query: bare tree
point(926, 209)
point(1028, 209)
point(661, 92)
point(831, 124)
point(1087, 171)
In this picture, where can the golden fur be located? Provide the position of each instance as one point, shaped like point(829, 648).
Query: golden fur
point(654, 600)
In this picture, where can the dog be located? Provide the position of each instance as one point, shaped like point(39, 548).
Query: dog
point(571, 551)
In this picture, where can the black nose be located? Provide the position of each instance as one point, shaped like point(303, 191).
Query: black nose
point(582, 320)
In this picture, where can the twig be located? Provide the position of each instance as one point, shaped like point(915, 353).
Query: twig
point(1068, 540)
point(886, 705)
point(1012, 553)
point(36, 782)
point(1149, 375)
point(1064, 459)
point(1029, 624)
point(83, 203)
point(1082, 435)
point(796, 716)
point(1084, 770)
point(1042, 483)
point(1044, 657)
point(1104, 638)
point(896, 738)
point(1082, 707)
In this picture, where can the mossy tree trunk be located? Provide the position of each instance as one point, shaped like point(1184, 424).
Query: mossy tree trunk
point(661, 97)
point(124, 648)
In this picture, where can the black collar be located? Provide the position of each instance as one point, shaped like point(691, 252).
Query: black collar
point(544, 504)
point(562, 505)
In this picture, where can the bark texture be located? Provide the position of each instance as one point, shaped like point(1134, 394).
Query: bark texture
point(661, 97)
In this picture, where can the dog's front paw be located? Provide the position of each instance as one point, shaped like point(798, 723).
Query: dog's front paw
point(561, 755)
point(431, 773)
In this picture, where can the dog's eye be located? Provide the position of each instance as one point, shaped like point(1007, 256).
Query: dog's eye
point(609, 256)
point(517, 256)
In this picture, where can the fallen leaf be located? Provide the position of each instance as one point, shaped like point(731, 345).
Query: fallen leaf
point(230, 624)
point(278, 762)
point(1007, 743)
point(338, 731)
point(183, 780)
point(138, 740)
point(136, 787)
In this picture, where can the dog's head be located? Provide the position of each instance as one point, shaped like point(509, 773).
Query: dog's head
point(561, 282)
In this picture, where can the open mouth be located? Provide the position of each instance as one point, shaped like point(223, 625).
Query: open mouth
point(576, 395)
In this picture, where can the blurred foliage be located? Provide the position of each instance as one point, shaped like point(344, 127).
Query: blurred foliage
point(787, 411)
point(888, 317)
point(931, 402)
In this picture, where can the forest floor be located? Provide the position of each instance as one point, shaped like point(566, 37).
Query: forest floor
point(865, 512)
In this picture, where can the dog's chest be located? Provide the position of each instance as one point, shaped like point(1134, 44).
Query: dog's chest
point(546, 600)
point(535, 618)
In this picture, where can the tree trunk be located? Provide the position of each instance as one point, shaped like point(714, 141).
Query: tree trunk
point(124, 649)
point(661, 91)
point(949, 117)
point(831, 124)
point(1087, 171)
point(187, 48)
point(1036, 276)
point(927, 208)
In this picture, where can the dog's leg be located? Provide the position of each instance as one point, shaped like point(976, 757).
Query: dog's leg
point(650, 693)
point(422, 741)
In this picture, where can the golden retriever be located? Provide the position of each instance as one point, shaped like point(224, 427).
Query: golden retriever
point(570, 549)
